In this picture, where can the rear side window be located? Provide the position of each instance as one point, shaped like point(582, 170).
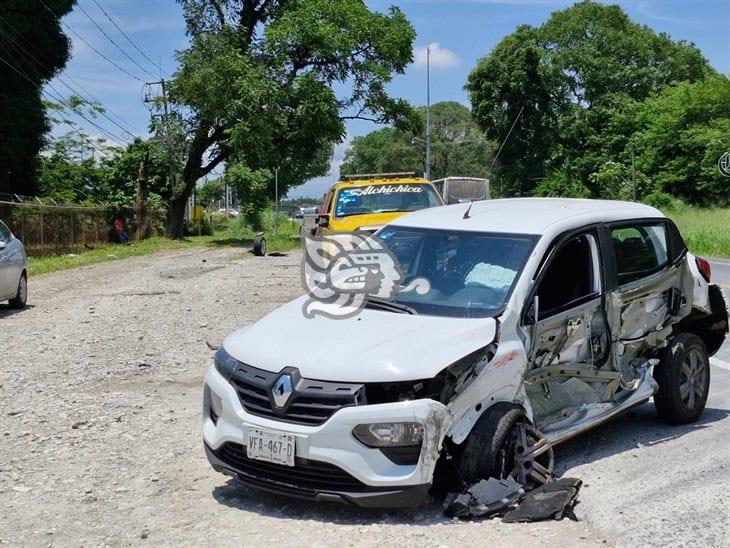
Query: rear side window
point(640, 250)
point(4, 233)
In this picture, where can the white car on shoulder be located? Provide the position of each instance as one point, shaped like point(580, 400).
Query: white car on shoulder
point(542, 319)
point(13, 269)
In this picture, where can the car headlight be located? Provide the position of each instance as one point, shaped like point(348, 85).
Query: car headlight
point(224, 363)
point(389, 434)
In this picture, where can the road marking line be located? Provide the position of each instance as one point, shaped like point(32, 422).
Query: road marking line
point(720, 363)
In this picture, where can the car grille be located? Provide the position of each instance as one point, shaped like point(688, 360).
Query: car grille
point(306, 477)
point(311, 403)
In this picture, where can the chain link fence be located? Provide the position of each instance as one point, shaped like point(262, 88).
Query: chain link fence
point(47, 229)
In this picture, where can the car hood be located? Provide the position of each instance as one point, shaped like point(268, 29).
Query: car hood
point(373, 346)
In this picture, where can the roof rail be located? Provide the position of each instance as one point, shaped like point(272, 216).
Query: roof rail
point(401, 175)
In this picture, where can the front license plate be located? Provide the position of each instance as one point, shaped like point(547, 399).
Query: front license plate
point(270, 446)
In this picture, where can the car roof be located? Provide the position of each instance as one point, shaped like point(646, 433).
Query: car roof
point(527, 215)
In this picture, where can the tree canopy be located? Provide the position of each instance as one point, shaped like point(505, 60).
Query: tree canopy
point(32, 50)
point(574, 86)
point(258, 84)
point(458, 147)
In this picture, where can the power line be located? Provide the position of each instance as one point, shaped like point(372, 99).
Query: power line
point(85, 41)
point(157, 66)
point(90, 18)
point(18, 46)
point(111, 136)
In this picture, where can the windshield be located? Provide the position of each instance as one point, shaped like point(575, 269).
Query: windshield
point(385, 198)
point(460, 274)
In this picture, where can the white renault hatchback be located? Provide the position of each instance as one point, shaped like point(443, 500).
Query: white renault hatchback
point(541, 319)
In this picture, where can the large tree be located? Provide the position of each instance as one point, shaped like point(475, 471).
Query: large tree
point(458, 147)
point(259, 84)
point(32, 50)
point(680, 137)
point(564, 86)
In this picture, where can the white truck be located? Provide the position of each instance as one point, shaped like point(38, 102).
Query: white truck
point(456, 190)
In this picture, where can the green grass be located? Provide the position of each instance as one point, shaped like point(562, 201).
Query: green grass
point(706, 231)
point(228, 235)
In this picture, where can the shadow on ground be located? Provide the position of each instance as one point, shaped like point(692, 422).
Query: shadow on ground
point(237, 495)
point(638, 428)
point(6, 311)
point(232, 242)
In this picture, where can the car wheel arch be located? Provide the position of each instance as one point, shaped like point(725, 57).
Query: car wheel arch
point(462, 426)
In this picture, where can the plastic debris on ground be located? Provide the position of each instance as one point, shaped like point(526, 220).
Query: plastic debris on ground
point(507, 498)
point(486, 498)
point(554, 500)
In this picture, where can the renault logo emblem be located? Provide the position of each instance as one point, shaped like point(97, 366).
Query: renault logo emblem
point(282, 390)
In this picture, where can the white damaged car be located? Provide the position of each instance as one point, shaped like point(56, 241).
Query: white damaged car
point(539, 319)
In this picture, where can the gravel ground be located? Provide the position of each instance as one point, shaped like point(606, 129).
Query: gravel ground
point(100, 389)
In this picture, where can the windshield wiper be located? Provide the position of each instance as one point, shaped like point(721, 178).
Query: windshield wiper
point(390, 306)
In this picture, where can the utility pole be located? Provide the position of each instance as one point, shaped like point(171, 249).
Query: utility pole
point(633, 171)
point(428, 113)
point(225, 192)
point(151, 98)
point(276, 197)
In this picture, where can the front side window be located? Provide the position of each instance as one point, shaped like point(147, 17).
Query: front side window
point(640, 250)
point(398, 197)
point(570, 277)
point(467, 274)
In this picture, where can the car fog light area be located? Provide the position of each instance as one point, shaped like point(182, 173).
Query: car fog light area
point(216, 405)
point(389, 434)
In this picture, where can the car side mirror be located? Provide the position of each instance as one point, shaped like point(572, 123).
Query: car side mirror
point(324, 220)
point(3, 245)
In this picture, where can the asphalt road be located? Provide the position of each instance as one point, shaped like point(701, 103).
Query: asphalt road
point(651, 484)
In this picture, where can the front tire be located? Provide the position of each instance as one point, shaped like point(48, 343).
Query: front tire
point(21, 297)
point(503, 443)
point(683, 376)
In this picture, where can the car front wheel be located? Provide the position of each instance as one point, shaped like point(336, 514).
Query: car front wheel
point(21, 297)
point(683, 376)
point(503, 443)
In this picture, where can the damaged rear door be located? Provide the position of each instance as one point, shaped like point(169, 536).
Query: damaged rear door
point(651, 290)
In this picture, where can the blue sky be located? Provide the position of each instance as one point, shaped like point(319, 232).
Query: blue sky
point(459, 31)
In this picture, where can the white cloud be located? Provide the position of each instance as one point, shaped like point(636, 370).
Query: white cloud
point(315, 188)
point(440, 56)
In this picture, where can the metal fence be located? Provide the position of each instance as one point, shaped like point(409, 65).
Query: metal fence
point(50, 229)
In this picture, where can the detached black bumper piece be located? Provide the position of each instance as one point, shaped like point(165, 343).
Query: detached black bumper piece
point(311, 480)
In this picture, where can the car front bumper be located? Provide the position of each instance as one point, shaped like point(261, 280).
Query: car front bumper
point(330, 463)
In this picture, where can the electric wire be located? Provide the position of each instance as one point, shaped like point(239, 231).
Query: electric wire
point(99, 27)
point(85, 41)
point(19, 47)
point(134, 45)
point(119, 141)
